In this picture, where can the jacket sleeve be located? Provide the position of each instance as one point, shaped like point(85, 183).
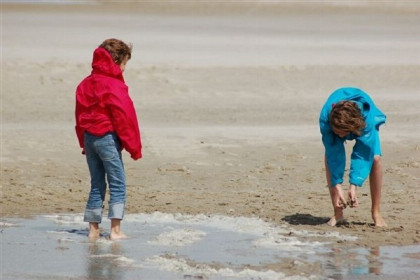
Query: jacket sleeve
point(336, 157)
point(79, 130)
point(362, 158)
point(334, 150)
point(124, 122)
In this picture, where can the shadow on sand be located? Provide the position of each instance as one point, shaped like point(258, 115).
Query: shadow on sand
point(305, 219)
point(308, 219)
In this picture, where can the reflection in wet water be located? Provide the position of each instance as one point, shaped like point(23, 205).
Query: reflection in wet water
point(103, 261)
point(343, 262)
point(385, 262)
point(374, 262)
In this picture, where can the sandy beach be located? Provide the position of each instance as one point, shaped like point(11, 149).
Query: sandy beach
point(228, 103)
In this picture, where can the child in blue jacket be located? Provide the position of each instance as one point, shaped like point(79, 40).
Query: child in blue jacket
point(350, 114)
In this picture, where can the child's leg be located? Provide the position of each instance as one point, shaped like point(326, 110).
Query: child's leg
point(337, 198)
point(116, 232)
point(116, 181)
point(93, 231)
point(94, 206)
point(375, 180)
point(338, 217)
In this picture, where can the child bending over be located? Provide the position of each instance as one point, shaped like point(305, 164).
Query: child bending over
point(350, 114)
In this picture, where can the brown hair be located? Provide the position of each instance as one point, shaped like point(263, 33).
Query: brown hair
point(346, 116)
point(117, 49)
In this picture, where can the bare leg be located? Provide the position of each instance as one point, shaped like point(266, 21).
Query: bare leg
point(375, 180)
point(93, 231)
point(338, 210)
point(116, 232)
point(337, 199)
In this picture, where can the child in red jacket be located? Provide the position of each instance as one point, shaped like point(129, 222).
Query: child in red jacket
point(106, 123)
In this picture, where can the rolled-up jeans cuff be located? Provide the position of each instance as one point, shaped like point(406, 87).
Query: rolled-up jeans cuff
point(93, 215)
point(116, 211)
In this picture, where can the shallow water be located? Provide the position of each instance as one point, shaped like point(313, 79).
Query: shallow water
point(174, 246)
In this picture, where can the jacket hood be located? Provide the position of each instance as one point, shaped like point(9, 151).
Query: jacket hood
point(103, 63)
point(373, 116)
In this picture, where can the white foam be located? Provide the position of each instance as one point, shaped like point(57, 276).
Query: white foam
point(75, 219)
point(104, 241)
point(286, 243)
point(275, 238)
point(105, 256)
point(57, 232)
point(280, 236)
point(181, 265)
point(65, 240)
point(118, 259)
point(236, 224)
point(4, 224)
point(179, 237)
point(125, 262)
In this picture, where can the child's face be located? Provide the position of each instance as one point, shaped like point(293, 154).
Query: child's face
point(124, 63)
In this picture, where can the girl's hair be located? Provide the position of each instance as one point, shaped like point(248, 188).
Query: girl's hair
point(117, 49)
point(346, 116)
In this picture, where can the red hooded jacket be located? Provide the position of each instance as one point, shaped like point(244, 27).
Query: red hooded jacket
point(104, 105)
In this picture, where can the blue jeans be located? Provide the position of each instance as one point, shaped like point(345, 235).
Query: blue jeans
point(103, 155)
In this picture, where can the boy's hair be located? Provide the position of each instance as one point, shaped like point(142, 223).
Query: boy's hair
point(346, 116)
point(117, 49)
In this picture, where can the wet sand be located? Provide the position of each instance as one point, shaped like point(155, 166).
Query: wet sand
point(228, 105)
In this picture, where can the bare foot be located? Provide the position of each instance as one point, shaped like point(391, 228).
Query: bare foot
point(353, 202)
point(337, 218)
point(93, 236)
point(379, 221)
point(116, 232)
point(117, 236)
point(335, 221)
point(93, 231)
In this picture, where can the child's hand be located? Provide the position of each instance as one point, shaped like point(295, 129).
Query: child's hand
point(339, 201)
point(353, 196)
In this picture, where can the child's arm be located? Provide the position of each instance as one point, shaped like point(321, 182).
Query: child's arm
point(124, 121)
point(335, 156)
point(362, 158)
point(364, 149)
point(79, 130)
point(334, 148)
point(336, 192)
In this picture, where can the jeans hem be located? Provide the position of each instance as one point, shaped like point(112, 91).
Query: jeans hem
point(116, 211)
point(93, 215)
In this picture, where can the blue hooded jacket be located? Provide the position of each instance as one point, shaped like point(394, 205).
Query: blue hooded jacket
point(363, 151)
